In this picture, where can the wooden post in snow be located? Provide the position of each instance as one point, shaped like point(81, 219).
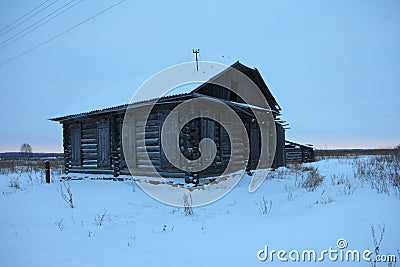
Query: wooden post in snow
point(47, 168)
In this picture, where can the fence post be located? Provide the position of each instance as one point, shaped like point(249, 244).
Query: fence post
point(47, 167)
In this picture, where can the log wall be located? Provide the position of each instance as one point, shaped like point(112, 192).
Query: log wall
point(94, 159)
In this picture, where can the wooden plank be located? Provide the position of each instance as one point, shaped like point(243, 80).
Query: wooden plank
point(76, 145)
point(129, 139)
point(103, 148)
point(207, 131)
point(170, 138)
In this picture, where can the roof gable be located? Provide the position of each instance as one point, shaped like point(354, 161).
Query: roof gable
point(185, 90)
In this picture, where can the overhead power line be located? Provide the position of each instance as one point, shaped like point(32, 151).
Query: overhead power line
point(26, 14)
point(15, 26)
point(18, 35)
point(62, 33)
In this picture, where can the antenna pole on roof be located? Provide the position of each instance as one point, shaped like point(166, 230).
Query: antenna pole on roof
point(196, 52)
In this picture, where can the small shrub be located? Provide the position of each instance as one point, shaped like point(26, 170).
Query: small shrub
point(377, 240)
point(313, 180)
point(324, 200)
point(31, 166)
point(14, 183)
point(290, 196)
point(66, 194)
point(348, 188)
point(99, 218)
point(265, 206)
point(297, 167)
point(187, 204)
point(60, 224)
point(338, 179)
point(381, 172)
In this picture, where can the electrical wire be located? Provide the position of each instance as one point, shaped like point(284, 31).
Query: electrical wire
point(40, 25)
point(61, 33)
point(12, 28)
point(26, 14)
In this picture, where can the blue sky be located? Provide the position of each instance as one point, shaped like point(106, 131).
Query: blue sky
point(333, 66)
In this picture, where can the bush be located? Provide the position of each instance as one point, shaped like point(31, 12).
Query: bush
point(381, 172)
point(313, 180)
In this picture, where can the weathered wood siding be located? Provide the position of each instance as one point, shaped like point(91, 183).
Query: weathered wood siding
point(296, 153)
point(94, 145)
point(103, 144)
point(67, 147)
point(279, 159)
point(76, 141)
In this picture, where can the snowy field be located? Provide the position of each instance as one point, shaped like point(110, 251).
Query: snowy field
point(302, 207)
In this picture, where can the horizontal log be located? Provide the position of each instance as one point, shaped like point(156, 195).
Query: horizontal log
point(143, 117)
point(150, 122)
point(90, 125)
point(142, 129)
point(89, 156)
point(89, 150)
point(89, 146)
point(146, 167)
point(172, 174)
point(89, 141)
point(142, 135)
point(152, 141)
point(89, 162)
point(138, 173)
point(152, 155)
point(148, 149)
point(90, 171)
point(154, 162)
point(89, 136)
point(237, 140)
point(89, 166)
point(238, 157)
point(89, 130)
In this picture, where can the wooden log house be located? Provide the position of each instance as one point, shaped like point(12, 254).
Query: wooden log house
point(297, 153)
point(92, 141)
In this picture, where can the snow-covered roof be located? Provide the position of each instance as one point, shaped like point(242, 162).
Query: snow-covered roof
point(182, 89)
point(155, 89)
point(295, 143)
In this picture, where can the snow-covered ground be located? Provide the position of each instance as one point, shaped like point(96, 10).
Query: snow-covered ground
point(117, 224)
